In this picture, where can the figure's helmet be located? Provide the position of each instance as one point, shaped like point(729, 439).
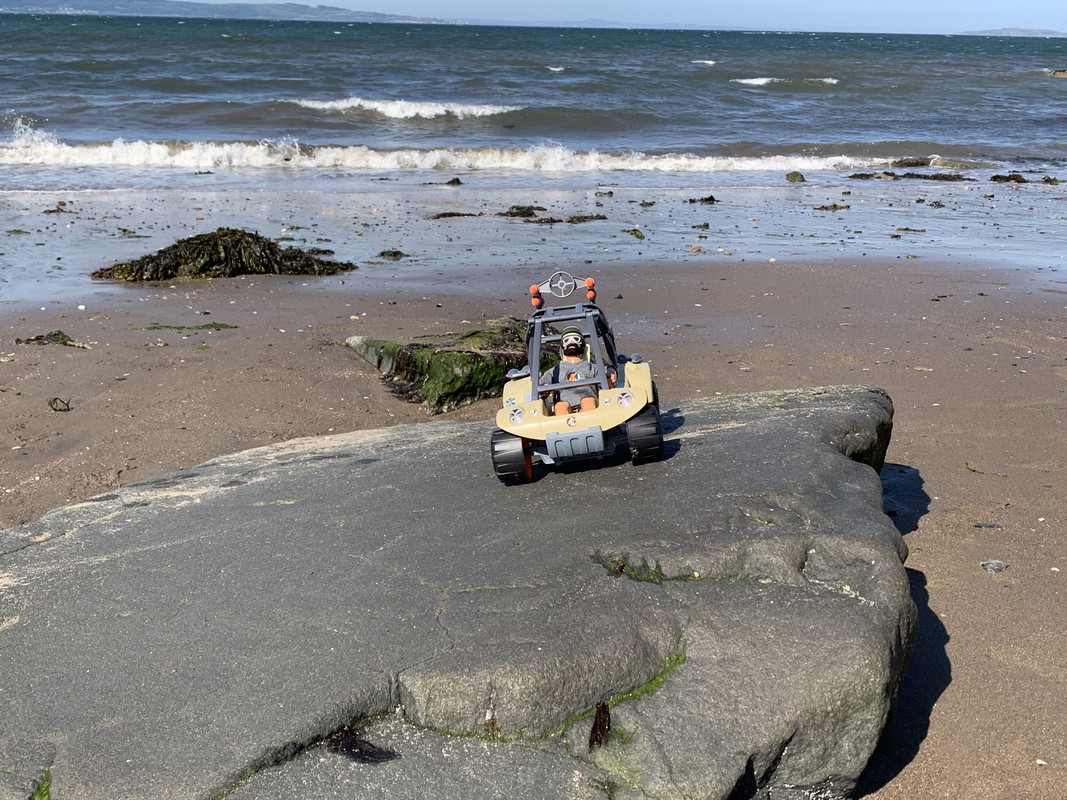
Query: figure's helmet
point(571, 337)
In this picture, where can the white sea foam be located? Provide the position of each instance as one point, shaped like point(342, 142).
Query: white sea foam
point(404, 109)
point(767, 81)
point(31, 147)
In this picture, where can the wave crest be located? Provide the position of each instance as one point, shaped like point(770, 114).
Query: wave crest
point(406, 109)
point(770, 81)
point(31, 147)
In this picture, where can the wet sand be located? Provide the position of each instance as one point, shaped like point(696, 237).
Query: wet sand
point(975, 361)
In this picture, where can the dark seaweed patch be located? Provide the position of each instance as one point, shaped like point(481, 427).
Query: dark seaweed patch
point(349, 743)
point(601, 727)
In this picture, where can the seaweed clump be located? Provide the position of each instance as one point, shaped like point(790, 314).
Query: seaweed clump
point(522, 212)
point(55, 337)
point(225, 253)
point(917, 176)
point(1011, 177)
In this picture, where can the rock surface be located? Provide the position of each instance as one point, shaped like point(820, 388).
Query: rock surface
point(223, 253)
point(741, 606)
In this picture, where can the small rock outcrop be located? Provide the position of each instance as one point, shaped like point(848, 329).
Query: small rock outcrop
point(447, 372)
point(225, 253)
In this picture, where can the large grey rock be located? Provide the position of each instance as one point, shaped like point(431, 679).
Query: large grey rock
point(742, 606)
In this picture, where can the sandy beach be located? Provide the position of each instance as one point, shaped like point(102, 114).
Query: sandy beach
point(975, 360)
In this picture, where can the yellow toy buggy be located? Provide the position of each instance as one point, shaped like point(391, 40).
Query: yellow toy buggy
point(531, 427)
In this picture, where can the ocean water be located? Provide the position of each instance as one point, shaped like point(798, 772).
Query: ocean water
point(119, 135)
point(123, 102)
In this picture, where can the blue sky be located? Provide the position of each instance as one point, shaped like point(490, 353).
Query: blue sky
point(889, 16)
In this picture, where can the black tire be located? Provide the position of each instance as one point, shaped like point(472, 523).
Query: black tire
point(512, 461)
point(645, 435)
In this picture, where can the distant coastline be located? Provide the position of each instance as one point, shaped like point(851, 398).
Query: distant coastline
point(183, 8)
point(322, 13)
point(1038, 33)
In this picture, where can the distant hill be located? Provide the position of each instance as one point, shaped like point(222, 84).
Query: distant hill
point(1039, 33)
point(299, 11)
point(181, 8)
point(289, 11)
point(596, 23)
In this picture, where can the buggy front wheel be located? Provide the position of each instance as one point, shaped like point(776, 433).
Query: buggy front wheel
point(512, 459)
point(645, 435)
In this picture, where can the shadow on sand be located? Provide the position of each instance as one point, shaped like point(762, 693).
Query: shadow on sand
point(929, 672)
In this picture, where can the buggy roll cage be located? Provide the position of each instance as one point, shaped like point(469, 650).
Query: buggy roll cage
point(599, 339)
point(587, 317)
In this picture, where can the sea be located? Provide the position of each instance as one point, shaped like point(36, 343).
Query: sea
point(143, 130)
point(127, 102)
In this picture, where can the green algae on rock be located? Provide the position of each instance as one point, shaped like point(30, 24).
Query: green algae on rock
point(447, 372)
point(222, 254)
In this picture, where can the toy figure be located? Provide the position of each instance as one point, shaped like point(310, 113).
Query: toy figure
point(574, 367)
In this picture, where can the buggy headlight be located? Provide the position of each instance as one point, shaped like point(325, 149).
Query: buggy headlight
point(625, 400)
point(516, 416)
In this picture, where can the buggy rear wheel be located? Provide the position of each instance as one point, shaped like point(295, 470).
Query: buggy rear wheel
point(645, 435)
point(512, 460)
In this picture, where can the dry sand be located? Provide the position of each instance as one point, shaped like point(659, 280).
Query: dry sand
point(976, 363)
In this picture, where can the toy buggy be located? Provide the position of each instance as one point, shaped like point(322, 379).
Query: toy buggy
point(626, 412)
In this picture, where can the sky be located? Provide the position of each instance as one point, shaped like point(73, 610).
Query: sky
point(881, 16)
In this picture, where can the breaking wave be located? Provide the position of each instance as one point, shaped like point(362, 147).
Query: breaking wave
point(32, 147)
point(405, 109)
point(772, 81)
